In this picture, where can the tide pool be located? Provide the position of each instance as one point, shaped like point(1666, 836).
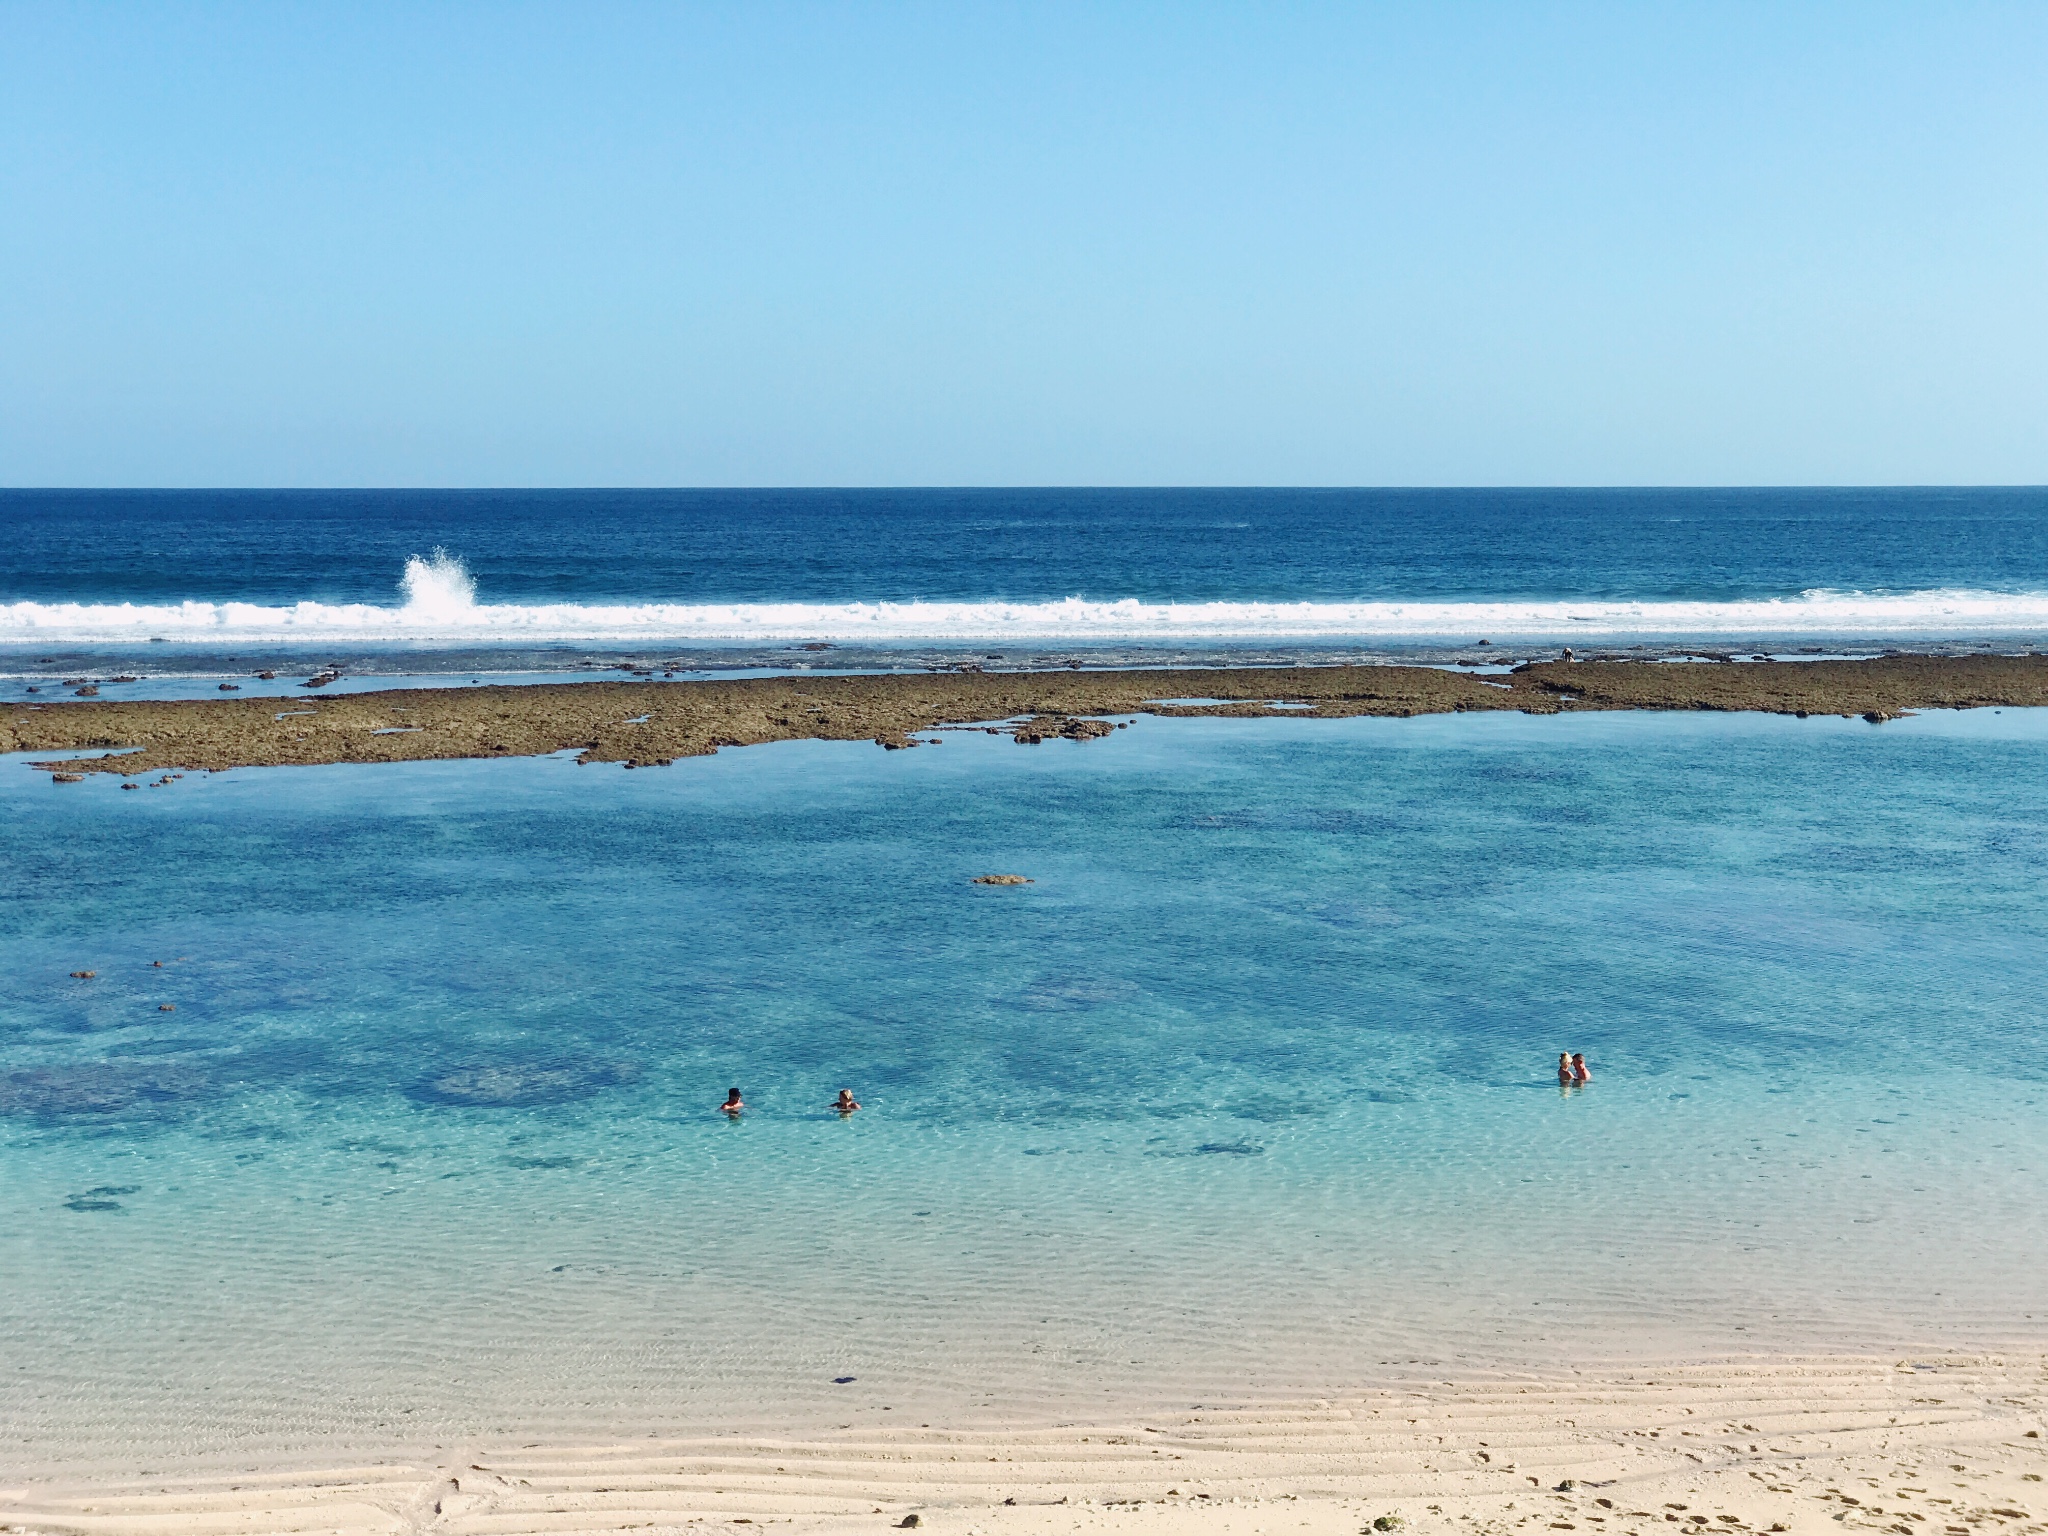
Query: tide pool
point(1251, 1091)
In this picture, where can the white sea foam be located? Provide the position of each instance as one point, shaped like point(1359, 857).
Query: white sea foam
point(440, 605)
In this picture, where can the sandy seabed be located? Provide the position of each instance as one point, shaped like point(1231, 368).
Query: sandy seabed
point(1935, 1445)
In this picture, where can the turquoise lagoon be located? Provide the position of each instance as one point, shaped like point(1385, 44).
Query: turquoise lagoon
point(1250, 1093)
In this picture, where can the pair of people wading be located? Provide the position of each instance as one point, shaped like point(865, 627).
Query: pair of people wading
point(1571, 1070)
point(735, 1106)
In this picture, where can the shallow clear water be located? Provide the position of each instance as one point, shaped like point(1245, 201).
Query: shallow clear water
point(1251, 1089)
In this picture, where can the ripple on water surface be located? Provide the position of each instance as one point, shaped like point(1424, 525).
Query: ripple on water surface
point(1250, 1089)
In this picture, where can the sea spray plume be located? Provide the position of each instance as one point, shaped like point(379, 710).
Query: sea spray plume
point(437, 587)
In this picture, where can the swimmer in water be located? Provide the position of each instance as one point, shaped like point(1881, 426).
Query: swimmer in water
point(733, 1104)
point(846, 1104)
point(1579, 1073)
point(1564, 1068)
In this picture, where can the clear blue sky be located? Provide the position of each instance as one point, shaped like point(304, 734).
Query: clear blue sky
point(745, 244)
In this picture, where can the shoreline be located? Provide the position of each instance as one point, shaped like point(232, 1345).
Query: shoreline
point(1939, 1444)
point(652, 723)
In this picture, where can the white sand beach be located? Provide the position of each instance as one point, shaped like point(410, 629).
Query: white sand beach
point(1935, 1445)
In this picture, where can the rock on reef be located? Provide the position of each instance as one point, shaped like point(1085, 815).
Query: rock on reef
point(698, 717)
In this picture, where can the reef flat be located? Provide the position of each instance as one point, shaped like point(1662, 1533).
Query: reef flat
point(652, 723)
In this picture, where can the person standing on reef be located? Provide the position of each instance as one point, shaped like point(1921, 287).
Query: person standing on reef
point(846, 1104)
point(733, 1104)
point(1579, 1073)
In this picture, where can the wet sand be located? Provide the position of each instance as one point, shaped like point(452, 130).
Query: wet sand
point(648, 724)
point(1929, 1445)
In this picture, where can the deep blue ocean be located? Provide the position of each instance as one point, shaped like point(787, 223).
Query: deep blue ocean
point(716, 547)
point(448, 582)
point(389, 1112)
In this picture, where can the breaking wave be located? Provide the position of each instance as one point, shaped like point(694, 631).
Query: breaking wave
point(440, 606)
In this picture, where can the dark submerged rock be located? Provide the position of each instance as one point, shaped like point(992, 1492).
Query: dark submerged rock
point(100, 1090)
